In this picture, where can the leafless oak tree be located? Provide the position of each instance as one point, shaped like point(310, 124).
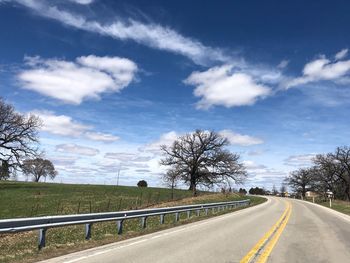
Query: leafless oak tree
point(39, 168)
point(300, 180)
point(199, 158)
point(18, 138)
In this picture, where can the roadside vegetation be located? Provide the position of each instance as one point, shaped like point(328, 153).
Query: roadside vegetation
point(22, 247)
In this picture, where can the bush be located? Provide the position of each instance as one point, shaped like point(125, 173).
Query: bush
point(142, 183)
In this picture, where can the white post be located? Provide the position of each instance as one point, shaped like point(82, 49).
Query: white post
point(330, 202)
point(313, 199)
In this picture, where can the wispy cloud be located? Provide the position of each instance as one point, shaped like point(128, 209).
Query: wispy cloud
point(323, 69)
point(240, 139)
point(149, 34)
point(64, 125)
point(77, 149)
point(74, 81)
point(299, 160)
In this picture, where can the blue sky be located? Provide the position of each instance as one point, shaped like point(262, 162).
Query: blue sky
point(112, 80)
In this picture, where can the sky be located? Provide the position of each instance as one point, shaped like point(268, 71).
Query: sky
point(114, 80)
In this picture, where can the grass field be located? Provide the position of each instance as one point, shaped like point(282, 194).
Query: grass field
point(22, 199)
point(338, 205)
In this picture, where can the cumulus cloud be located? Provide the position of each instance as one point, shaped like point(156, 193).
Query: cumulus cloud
point(149, 34)
point(76, 149)
point(75, 81)
point(222, 86)
point(240, 139)
point(64, 125)
point(323, 69)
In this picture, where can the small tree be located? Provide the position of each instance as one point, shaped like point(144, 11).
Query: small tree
point(242, 191)
point(39, 168)
point(274, 190)
point(283, 190)
point(18, 138)
point(142, 183)
point(200, 159)
point(171, 179)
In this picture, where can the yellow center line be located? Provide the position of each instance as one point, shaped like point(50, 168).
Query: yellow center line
point(258, 246)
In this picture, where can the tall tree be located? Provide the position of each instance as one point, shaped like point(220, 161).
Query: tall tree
point(274, 190)
point(39, 168)
point(300, 180)
point(341, 158)
point(200, 159)
point(171, 179)
point(18, 138)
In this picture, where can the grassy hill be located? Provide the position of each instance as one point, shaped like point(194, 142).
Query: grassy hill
point(26, 199)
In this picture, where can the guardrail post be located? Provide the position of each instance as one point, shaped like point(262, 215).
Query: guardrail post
point(42, 238)
point(198, 212)
point(177, 216)
point(120, 227)
point(88, 231)
point(188, 213)
point(143, 222)
point(206, 211)
point(161, 219)
point(213, 210)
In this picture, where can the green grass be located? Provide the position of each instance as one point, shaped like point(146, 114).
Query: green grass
point(18, 199)
point(338, 205)
point(23, 199)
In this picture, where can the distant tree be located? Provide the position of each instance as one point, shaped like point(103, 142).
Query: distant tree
point(301, 180)
point(257, 191)
point(18, 138)
point(171, 179)
point(341, 160)
point(274, 190)
point(242, 191)
point(200, 159)
point(142, 183)
point(283, 190)
point(39, 168)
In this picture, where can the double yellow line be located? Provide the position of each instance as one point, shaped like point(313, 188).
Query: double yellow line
point(261, 251)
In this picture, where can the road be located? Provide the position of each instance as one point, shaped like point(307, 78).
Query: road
point(307, 233)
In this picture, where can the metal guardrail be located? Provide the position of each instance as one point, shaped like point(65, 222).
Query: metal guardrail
point(46, 222)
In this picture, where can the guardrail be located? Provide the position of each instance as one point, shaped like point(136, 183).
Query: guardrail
point(46, 222)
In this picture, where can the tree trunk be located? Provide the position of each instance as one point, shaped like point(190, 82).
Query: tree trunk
point(193, 189)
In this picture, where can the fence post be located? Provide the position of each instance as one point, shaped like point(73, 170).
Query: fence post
point(88, 231)
point(120, 227)
point(198, 212)
point(143, 222)
point(188, 214)
point(42, 238)
point(206, 211)
point(177, 216)
point(161, 219)
point(213, 210)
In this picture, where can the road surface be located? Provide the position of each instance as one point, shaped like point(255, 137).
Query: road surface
point(303, 232)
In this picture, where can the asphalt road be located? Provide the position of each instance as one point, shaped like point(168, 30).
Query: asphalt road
point(311, 234)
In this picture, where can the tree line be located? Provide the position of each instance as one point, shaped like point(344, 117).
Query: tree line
point(19, 145)
point(329, 172)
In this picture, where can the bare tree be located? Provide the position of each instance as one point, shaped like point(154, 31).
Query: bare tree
point(18, 138)
point(39, 168)
point(341, 159)
point(200, 159)
point(171, 179)
point(300, 180)
point(274, 190)
point(283, 190)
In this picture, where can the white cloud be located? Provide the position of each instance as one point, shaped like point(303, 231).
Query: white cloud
point(250, 165)
point(221, 86)
point(323, 69)
point(65, 126)
point(102, 137)
point(75, 81)
point(299, 160)
point(240, 139)
point(82, 2)
point(341, 54)
point(61, 124)
point(64, 160)
point(283, 64)
point(77, 149)
point(165, 139)
point(150, 34)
